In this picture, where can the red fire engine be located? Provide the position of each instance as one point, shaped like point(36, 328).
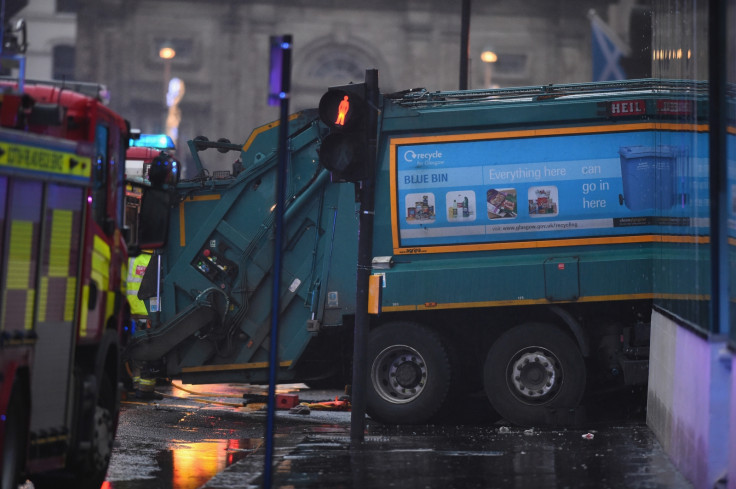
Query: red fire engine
point(63, 262)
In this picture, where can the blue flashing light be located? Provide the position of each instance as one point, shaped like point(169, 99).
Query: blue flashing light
point(285, 45)
point(158, 141)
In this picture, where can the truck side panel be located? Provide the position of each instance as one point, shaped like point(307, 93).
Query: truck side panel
point(524, 230)
point(220, 259)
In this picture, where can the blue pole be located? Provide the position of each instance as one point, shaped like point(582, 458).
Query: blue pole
point(718, 169)
point(277, 255)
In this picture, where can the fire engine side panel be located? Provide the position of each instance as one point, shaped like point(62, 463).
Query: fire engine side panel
point(3, 195)
point(42, 202)
point(21, 257)
point(40, 288)
point(61, 260)
point(58, 288)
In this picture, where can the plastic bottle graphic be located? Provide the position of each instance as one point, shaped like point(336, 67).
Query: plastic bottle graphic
point(454, 209)
point(466, 211)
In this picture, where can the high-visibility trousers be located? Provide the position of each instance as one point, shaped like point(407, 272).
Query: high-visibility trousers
point(136, 268)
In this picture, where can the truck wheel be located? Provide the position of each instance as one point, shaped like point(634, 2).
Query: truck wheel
point(530, 369)
point(94, 469)
point(88, 471)
point(410, 373)
point(15, 440)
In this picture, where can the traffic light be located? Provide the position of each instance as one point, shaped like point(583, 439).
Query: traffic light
point(345, 151)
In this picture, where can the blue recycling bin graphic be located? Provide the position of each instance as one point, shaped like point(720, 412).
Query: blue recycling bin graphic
point(648, 177)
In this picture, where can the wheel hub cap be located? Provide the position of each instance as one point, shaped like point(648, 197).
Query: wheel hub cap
point(406, 374)
point(399, 374)
point(533, 375)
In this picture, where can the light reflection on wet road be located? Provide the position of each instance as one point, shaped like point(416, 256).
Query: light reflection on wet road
point(176, 444)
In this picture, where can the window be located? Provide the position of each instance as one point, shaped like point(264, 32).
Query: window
point(100, 177)
point(511, 64)
point(328, 64)
point(63, 62)
point(67, 6)
point(335, 66)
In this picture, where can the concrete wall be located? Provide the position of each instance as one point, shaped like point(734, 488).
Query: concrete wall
point(689, 406)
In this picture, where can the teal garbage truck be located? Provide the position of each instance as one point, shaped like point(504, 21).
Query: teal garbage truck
point(517, 241)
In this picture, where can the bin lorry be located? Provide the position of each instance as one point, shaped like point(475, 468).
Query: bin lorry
point(517, 239)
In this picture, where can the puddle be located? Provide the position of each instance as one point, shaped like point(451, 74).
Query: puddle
point(185, 465)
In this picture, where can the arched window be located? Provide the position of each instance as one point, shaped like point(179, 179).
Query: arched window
point(335, 66)
point(326, 63)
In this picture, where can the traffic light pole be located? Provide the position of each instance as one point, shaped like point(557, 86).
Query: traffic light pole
point(285, 86)
point(367, 200)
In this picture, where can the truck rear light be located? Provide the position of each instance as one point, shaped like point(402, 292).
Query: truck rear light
point(675, 107)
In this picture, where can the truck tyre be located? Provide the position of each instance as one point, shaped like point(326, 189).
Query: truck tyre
point(88, 471)
point(15, 440)
point(94, 469)
point(531, 369)
point(409, 373)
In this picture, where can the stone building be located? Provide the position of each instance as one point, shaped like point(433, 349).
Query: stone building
point(222, 51)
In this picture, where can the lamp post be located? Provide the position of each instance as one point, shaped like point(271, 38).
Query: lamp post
point(173, 91)
point(174, 94)
point(488, 56)
point(166, 53)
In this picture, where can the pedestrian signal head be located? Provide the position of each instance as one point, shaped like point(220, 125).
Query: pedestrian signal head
point(341, 109)
point(344, 150)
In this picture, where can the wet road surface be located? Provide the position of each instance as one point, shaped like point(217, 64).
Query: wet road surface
point(463, 457)
point(177, 444)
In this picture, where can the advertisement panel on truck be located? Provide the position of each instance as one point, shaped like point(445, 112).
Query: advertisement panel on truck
point(495, 190)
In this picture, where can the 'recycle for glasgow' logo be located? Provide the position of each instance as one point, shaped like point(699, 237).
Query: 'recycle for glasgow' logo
point(428, 158)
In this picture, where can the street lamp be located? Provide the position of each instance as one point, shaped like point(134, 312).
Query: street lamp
point(166, 52)
point(488, 56)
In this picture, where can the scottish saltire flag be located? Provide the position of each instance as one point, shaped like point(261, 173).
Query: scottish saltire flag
point(607, 50)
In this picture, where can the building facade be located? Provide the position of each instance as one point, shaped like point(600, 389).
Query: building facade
point(51, 27)
point(222, 51)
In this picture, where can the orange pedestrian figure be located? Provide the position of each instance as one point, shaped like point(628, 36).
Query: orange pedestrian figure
point(342, 110)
